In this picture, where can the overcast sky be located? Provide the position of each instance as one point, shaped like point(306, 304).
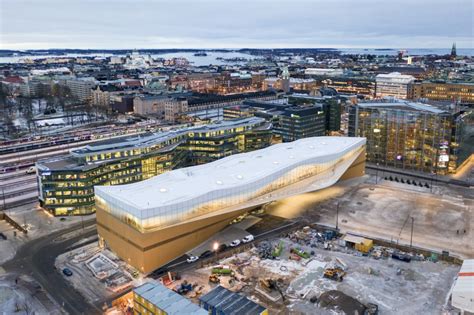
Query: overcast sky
point(33, 24)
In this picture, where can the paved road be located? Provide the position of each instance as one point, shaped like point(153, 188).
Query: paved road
point(36, 258)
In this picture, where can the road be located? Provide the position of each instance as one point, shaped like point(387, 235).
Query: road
point(36, 259)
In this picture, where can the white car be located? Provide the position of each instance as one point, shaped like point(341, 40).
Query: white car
point(235, 243)
point(247, 239)
point(192, 259)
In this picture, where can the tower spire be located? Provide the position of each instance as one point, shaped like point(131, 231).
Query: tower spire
point(453, 51)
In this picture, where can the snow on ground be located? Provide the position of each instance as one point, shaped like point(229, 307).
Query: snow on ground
point(22, 296)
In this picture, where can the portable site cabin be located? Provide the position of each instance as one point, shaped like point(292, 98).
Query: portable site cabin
point(463, 291)
point(362, 244)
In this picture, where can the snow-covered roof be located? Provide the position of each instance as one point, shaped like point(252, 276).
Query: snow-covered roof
point(395, 77)
point(234, 171)
point(397, 104)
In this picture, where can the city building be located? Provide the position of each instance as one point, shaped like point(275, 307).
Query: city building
point(100, 98)
point(66, 183)
point(329, 72)
point(153, 298)
point(174, 108)
point(152, 222)
point(413, 136)
point(81, 88)
point(297, 122)
point(442, 91)
point(297, 84)
point(359, 86)
point(393, 84)
point(238, 111)
point(225, 302)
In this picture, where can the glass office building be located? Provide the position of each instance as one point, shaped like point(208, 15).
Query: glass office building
point(67, 183)
point(412, 136)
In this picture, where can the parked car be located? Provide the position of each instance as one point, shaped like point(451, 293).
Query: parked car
point(207, 253)
point(67, 272)
point(222, 248)
point(235, 243)
point(248, 239)
point(192, 259)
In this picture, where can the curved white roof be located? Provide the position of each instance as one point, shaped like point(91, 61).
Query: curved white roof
point(233, 171)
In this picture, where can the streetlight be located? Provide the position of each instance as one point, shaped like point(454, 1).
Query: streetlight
point(215, 247)
point(337, 216)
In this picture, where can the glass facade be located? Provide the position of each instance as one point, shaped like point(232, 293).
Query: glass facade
point(67, 185)
point(410, 138)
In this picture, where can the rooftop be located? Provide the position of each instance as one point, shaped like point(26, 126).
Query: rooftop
point(181, 185)
point(228, 302)
point(167, 300)
point(148, 139)
point(404, 105)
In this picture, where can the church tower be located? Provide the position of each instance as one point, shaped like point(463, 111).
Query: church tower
point(453, 51)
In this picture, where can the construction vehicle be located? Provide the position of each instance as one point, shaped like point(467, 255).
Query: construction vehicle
point(269, 285)
point(222, 270)
point(300, 252)
point(184, 288)
point(294, 257)
point(335, 273)
point(214, 278)
point(278, 249)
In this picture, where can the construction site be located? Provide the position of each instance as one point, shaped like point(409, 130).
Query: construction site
point(317, 271)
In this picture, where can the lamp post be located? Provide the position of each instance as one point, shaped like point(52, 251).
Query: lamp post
point(411, 236)
point(215, 247)
point(337, 216)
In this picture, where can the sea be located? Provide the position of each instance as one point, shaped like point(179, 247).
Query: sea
point(215, 57)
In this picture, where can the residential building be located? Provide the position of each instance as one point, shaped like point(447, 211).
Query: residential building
point(66, 183)
point(150, 223)
point(153, 298)
point(81, 88)
point(413, 136)
point(175, 107)
point(100, 98)
point(392, 85)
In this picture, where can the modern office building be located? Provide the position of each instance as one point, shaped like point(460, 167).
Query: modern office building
point(442, 91)
point(66, 183)
point(393, 85)
point(153, 298)
point(150, 223)
point(299, 122)
point(413, 136)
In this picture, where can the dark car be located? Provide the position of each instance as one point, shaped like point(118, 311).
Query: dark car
point(67, 272)
point(222, 248)
point(206, 254)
